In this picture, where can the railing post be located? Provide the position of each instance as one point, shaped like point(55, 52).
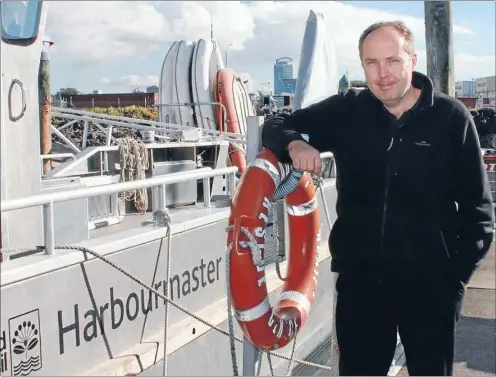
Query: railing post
point(253, 136)
point(162, 197)
point(230, 184)
point(108, 143)
point(48, 228)
point(206, 192)
point(86, 130)
point(251, 354)
point(155, 198)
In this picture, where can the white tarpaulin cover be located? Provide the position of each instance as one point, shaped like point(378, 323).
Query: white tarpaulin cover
point(317, 72)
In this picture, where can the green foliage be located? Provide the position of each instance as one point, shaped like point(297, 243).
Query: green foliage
point(137, 112)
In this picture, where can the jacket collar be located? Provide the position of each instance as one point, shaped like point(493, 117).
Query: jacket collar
point(424, 83)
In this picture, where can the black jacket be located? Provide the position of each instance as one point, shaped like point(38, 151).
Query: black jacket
point(399, 182)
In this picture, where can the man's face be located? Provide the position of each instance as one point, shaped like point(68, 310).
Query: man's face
point(388, 67)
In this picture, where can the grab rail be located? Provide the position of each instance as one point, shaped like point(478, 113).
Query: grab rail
point(63, 196)
point(48, 200)
point(44, 157)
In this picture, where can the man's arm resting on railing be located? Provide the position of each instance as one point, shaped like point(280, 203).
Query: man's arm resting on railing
point(318, 122)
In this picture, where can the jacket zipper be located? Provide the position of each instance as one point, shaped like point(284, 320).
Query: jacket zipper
point(390, 163)
point(386, 191)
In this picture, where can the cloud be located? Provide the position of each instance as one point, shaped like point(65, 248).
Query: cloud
point(462, 30)
point(131, 81)
point(469, 66)
point(90, 33)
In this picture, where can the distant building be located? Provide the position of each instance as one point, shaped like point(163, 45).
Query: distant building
point(284, 76)
point(79, 101)
point(152, 89)
point(465, 89)
point(485, 88)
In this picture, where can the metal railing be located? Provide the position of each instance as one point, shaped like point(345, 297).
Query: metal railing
point(47, 200)
point(44, 157)
point(107, 123)
point(99, 120)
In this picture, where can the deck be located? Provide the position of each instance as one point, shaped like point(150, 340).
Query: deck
point(475, 353)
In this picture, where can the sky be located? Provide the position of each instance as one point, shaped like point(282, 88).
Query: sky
point(116, 46)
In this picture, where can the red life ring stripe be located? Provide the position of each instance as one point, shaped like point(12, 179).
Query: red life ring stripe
point(265, 326)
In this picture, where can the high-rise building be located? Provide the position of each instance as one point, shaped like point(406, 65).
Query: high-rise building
point(284, 77)
point(465, 89)
point(344, 84)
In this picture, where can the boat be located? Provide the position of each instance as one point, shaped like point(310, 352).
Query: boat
point(114, 262)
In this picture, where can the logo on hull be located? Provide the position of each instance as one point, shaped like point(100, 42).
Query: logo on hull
point(25, 343)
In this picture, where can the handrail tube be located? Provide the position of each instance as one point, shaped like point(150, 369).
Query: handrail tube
point(60, 128)
point(63, 196)
point(44, 157)
point(127, 119)
point(62, 137)
point(57, 155)
point(72, 111)
point(117, 123)
point(153, 123)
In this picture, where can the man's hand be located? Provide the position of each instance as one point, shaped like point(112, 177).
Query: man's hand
point(305, 157)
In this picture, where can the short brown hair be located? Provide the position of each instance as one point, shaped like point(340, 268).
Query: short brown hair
point(399, 26)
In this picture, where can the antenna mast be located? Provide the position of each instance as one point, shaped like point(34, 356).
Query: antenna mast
point(211, 26)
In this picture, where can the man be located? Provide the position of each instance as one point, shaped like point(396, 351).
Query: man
point(414, 208)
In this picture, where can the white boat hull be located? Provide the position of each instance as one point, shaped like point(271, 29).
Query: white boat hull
point(93, 320)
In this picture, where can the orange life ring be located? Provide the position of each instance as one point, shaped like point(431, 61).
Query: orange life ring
point(265, 326)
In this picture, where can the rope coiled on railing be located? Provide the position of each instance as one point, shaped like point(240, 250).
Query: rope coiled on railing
point(134, 163)
point(288, 184)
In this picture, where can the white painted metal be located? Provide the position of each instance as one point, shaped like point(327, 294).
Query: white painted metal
point(62, 196)
point(103, 122)
point(19, 134)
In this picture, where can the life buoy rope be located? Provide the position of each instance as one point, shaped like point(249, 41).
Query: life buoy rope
point(268, 327)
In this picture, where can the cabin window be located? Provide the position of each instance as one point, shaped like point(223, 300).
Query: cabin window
point(20, 21)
